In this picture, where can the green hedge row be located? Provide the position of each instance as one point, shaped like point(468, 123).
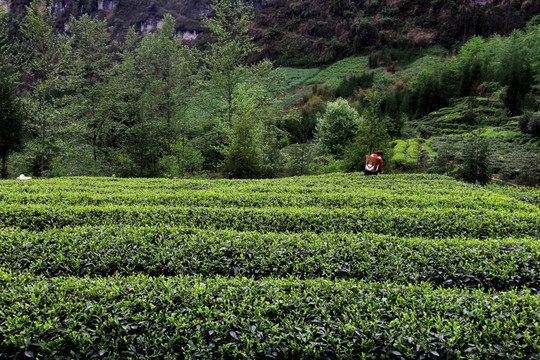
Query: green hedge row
point(410, 222)
point(259, 194)
point(499, 264)
point(286, 198)
point(238, 318)
point(330, 183)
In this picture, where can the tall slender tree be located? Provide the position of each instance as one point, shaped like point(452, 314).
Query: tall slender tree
point(48, 71)
point(92, 52)
point(243, 94)
point(225, 63)
point(476, 166)
point(11, 113)
point(169, 71)
point(11, 123)
point(515, 72)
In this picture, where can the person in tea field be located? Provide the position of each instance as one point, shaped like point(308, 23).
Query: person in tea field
point(374, 164)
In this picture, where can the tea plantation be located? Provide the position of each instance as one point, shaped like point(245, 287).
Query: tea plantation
point(338, 266)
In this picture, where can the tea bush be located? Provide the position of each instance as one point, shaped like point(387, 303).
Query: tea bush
point(338, 266)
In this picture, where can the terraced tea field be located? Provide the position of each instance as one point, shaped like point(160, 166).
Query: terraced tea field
point(332, 267)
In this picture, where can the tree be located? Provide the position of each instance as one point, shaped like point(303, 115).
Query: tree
point(244, 158)
point(476, 167)
point(337, 127)
point(446, 160)
point(515, 73)
point(243, 96)
point(8, 56)
point(298, 158)
point(529, 123)
point(11, 123)
point(254, 105)
point(225, 62)
point(11, 113)
point(151, 95)
point(92, 52)
point(371, 136)
point(49, 72)
point(170, 72)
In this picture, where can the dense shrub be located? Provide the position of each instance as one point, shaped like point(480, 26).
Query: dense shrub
point(529, 123)
point(499, 264)
point(348, 86)
point(476, 167)
point(337, 127)
point(236, 318)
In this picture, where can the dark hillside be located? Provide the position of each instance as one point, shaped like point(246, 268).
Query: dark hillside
point(298, 32)
point(301, 32)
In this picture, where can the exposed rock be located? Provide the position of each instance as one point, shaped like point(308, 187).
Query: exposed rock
point(189, 35)
point(106, 5)
point(5, 5)
point(150, 24)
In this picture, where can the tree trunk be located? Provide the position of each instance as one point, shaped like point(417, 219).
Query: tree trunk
point(42, 160)
point(183, 154)
point(3, 171)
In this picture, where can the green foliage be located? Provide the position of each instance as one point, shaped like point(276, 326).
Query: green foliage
point(299, 158)
point(244, 158)
point(143, 110)
point(408, 154)
point(8, 55)
point(11, 122)
point(244, 95)
point(337, 127)
point(511, 156)
point(92, 51)
point(447, 159)
point(282, 206)
point(476, 166)
point(295, 76)
point(515, 73)
point(464, 115)
point(347, 87)
point(300, 127)
point(185, 159)
point(529, 123)
point(192, 251)
point(334, 74)
point(371, 137)
point(238, 268)
point(51, 74)
point(236, 318)
point(390, 58)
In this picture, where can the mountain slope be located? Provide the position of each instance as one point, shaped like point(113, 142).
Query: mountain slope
point(301, 32)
